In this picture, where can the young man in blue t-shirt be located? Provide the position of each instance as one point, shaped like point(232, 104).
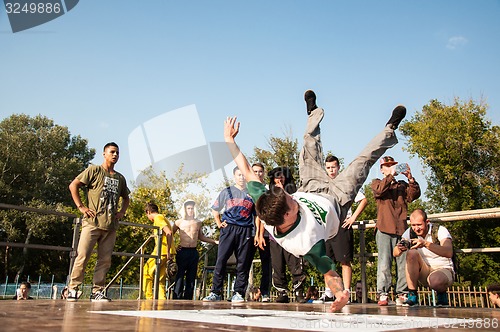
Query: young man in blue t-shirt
point(236, 225)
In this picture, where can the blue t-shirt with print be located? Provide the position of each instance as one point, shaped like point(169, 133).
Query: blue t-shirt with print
point(238, 207)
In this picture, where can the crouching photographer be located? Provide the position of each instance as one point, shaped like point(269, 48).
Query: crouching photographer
point(429, 257)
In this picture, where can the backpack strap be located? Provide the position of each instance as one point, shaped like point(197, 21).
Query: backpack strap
point(434, 233)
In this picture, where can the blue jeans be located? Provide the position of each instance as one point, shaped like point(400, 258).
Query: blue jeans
point(385, 245)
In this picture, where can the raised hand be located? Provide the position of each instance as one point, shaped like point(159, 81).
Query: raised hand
point(231, 128)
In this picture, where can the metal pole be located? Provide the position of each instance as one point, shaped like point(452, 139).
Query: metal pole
point(73, 253)
point(141, 249)
point(5, 288)
point(141, 271)
point(121, 288)
point(38, 287)
point(362, 258)
point(158, 264)
point(52, 289)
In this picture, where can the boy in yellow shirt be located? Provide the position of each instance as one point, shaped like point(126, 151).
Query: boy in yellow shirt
point(166, 254)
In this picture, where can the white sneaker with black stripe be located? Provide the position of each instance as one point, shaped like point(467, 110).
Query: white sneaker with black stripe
point(72, 295)
point(99, 296)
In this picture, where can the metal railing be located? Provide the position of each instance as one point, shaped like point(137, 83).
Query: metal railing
point(361, 226)
point(437, 217)
point(76, 238)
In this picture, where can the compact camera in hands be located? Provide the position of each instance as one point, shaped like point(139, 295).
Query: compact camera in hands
point(405, 243)
point(401, 168)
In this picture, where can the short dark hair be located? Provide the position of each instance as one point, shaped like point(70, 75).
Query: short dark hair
point(110, 144)
point(331, 158)
point(235, 169)
point(151, 207)
point(494, 288)
point(259, 165)
point(271, 206)
point(26, 283)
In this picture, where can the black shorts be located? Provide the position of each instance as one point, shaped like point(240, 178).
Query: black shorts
point(341, 248)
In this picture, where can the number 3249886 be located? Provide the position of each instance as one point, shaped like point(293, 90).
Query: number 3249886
point(33, 8)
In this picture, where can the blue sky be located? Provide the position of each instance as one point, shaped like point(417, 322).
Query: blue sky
point(107, 67)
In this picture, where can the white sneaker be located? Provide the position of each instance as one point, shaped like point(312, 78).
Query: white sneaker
point(265, 298)
point(237, 298)
point(324, 298)
point(383, 299)
point(212, 297)
point(99, 296)
point(401, 299)
point(72, 295)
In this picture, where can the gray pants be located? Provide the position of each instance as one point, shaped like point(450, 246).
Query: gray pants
point(343, 189)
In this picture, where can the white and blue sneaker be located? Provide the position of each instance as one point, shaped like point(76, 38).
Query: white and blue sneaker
point(212, 297)
point(237, 298)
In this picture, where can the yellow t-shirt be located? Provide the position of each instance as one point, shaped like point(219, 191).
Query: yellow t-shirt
point(160, 221)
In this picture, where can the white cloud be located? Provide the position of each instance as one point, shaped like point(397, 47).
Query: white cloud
point(456, 42)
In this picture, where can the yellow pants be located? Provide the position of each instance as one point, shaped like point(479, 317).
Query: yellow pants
point(148, 279)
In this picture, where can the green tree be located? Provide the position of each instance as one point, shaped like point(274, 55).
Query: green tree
point(169, 194)
point(283, 151)
point(38, 160)
point(459, 149)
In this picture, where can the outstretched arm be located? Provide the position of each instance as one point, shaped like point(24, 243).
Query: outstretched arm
point(231, 129)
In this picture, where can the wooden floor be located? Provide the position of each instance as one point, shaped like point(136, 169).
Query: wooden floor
point(144, 315)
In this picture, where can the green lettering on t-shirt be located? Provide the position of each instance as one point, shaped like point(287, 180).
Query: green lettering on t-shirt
point(318, 212)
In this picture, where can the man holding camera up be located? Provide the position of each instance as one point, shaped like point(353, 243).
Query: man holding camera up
point(392, 199)
point(428, 250)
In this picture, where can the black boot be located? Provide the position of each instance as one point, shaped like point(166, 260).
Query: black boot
point(397, 116)
point(299, 296)
point(283, 297)
point(310, 98)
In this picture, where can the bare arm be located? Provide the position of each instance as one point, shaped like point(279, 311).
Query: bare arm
point(168, 233)
point(220, 224)
point(231, 129)
point(203, 238)
point(259, 234)
point(398, 250)
point(74, 188)
point(175, 228)
point(349, 221)
point(444, 248)
point(125, 202)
